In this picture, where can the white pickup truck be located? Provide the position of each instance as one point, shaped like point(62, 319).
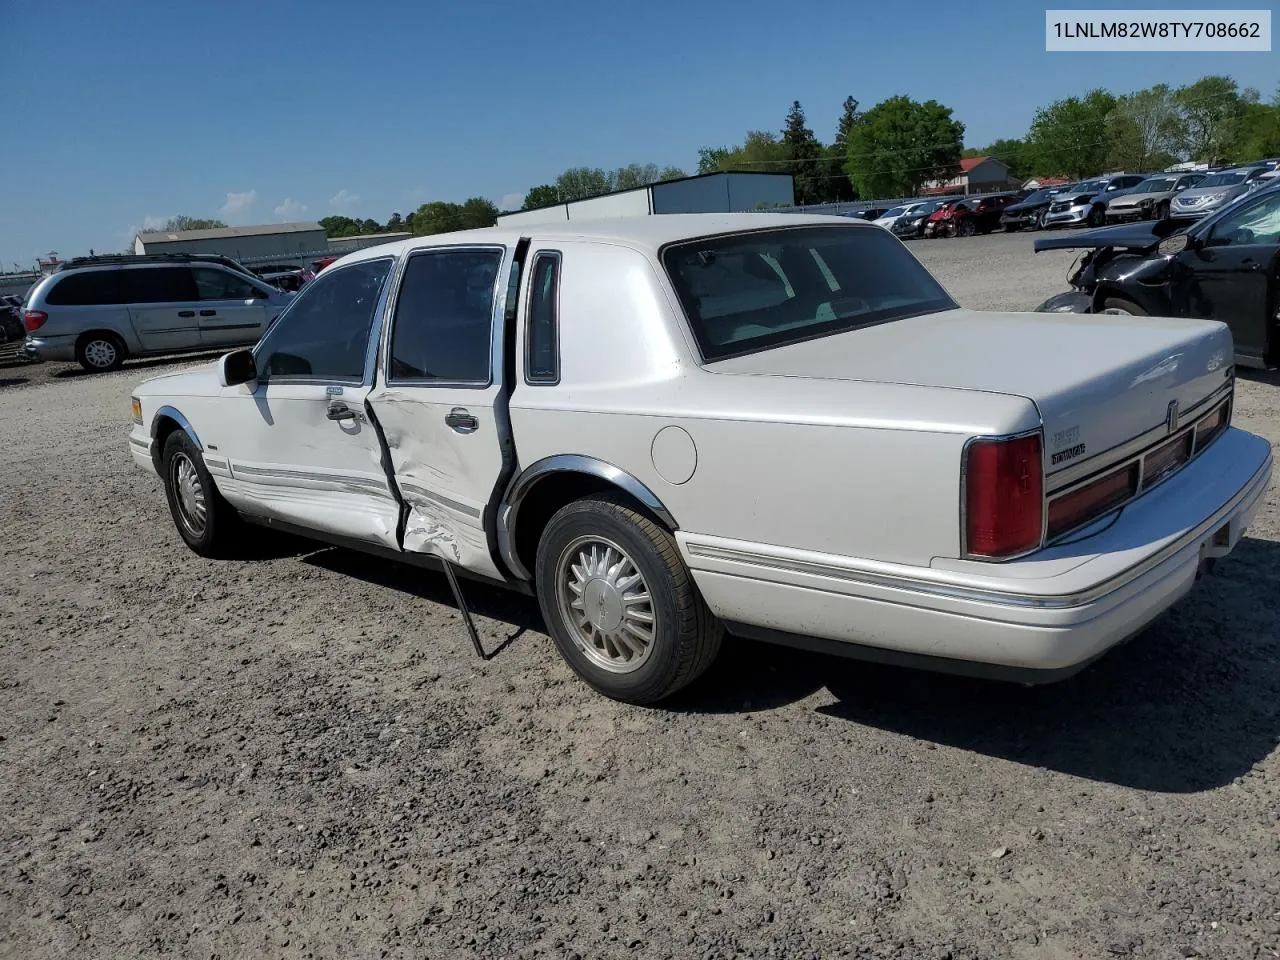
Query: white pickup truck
point(667, 428)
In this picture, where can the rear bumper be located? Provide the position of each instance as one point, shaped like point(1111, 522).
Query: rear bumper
point(51, 348)
point(1039, 618)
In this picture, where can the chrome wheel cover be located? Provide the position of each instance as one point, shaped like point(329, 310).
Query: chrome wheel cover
point(188, 494)
point(605, 604)
point(100, 353)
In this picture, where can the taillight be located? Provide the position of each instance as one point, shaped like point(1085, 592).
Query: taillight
point(34, 319)
point(1092, 500)
point(1003, 496)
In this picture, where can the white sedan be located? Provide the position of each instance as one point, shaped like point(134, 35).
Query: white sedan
point(673, 428)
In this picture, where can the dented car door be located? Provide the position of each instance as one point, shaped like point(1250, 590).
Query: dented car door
point(296, 444)
point(437, 400)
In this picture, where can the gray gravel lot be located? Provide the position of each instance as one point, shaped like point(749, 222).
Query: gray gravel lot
point(299, 756)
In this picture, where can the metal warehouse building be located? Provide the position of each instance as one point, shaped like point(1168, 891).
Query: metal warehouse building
point(705, 193)
point(281, 241)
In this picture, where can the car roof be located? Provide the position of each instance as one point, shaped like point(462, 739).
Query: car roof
point(646, 232)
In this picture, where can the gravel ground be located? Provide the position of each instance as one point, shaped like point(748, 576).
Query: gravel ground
point(202, 759)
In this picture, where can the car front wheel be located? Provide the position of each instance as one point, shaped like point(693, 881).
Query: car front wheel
point(1097, 217)
point(1122, 307)
point(620, 604)
point(207, 524)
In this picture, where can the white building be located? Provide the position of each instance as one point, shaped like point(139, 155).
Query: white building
point(705, 193)
point(273, 241)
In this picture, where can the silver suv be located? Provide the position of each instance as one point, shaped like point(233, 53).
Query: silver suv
point(102, 310)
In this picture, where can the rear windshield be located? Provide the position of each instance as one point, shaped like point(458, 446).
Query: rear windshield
point(747, 292)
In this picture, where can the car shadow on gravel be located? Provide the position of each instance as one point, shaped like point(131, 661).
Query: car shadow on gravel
point(1172, 711)
point(517, 611)
point(72, 372)
point(12, 381)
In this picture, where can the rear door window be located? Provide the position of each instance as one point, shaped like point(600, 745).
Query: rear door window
point(214, 284)
point(158, 285)
point(90, 288)
point(443, 325)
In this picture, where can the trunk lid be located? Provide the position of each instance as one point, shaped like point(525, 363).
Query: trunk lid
point(1098, 381)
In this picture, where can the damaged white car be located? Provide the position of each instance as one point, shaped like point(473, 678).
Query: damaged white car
point(673, 428)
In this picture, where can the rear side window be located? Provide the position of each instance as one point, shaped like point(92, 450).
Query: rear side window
point(158, 285)
point(542, 334)
point(90, 288)
point(212, 284)
point(443, 322)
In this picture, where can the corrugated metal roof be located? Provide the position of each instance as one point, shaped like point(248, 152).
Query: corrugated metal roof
point(224, 233)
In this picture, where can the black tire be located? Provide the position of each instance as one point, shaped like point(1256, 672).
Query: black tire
point(1116, 305)
point(222, 529)
point(1037, 223)
point(685, 635)
point(966, 229)
point(1010, 227)
point(1162, 211)
point(1097, 216)
point(101, 352)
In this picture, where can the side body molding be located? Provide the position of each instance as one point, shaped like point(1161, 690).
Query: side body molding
point(180, 420)
point(527, 479)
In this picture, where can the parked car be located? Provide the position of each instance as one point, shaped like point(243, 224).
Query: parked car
point(1216, 191)
point(1150, 199)
point(290, 281)
point(1225, 267)
point(101, 311)
point(894, 214)
point(981, 492)
point(938, 223)
point(980, 214)
point(11, 328)
point(870, 213)
point(1029, 213)
point(912, 225)
point(1086, 203)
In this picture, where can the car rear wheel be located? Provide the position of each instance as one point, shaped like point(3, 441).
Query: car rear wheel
point(620, 604)
point(1122, 307)
point(207, 524)
point(100, 352)
point(1097, 216)
point(966, 229)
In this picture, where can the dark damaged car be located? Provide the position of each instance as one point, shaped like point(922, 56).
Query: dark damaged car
point(1225, 267)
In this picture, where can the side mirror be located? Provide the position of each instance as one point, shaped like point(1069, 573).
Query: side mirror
point(236, 368)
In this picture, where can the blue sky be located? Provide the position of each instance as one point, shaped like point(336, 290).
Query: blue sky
point(124, 113)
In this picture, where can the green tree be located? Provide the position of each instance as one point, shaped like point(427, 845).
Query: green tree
point(761, 150)
point(340, 226)
point(1210, 108)
point(804, 155)
point(671, 173)
point(180, 223)
point(541, 196)
point(1256, 132)
point(370, 226)
point(1071, 136)
point(477, 212)
point(900, 144)
point(395, 223)
point(835, 182)
point(578, 183)
point(1146, 130)
point(436, 216)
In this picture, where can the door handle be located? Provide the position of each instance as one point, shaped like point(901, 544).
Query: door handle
point(461, 421)
point(186, 313)
point(208, 313)
point(340, 411)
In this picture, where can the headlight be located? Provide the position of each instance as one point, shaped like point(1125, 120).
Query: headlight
point(137, 410)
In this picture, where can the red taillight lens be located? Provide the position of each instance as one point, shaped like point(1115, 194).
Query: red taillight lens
point(1092, 500)
point(1212, 425)
point(1004, 496)
point(1165, 459)
point(34, 319)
